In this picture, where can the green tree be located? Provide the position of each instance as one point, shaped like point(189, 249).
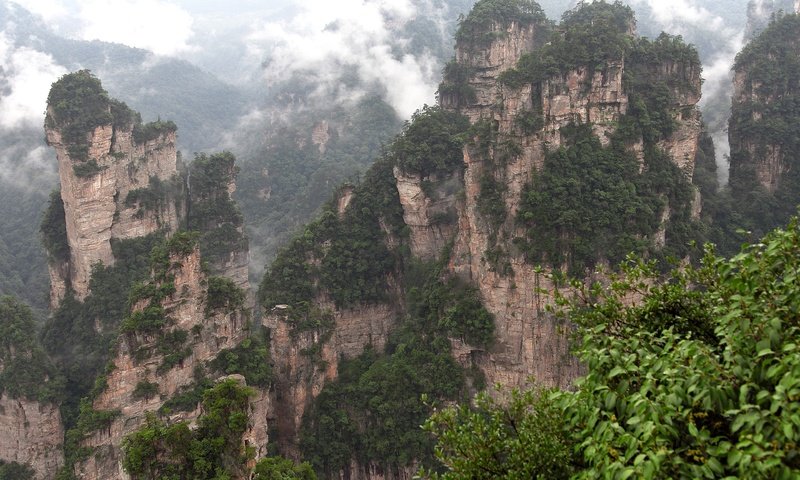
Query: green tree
point(696, 375)
point(523, 437)
point(279, 468)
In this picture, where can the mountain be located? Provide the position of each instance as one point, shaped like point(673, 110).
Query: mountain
point(203, 105)
point(554, 151)
point(763, 128)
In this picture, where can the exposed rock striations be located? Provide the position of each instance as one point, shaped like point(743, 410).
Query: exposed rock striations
point(532, 94)
point(178, 325)
point(763, 128)
point(119, 178)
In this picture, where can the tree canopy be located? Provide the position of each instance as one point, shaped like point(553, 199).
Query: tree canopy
point(698, 377)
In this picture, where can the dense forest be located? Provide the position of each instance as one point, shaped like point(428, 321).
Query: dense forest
point(677, 295)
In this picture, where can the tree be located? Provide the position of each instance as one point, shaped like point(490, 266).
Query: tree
point(696, 375)
point(279, 468)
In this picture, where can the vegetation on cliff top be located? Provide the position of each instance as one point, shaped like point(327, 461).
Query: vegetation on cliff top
point(77, 104)
point(476, 30)
point(699, 378)
point(431, 142)
point(765, 128)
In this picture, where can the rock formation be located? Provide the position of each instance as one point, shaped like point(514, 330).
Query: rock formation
point(31, 434)
point(154, 365)
point(759, 149)
point(119, 179)
point(531, 343)
point(441, 211)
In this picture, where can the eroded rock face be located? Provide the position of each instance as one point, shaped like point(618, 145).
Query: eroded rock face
point(95, 204)
point(530, 343)
point(764, 161)
point(429, 208)
point(31, 433)
point(138, 360)
point(502, 54)
point(305, 361)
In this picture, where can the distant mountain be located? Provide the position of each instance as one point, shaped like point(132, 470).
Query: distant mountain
point(203, 106)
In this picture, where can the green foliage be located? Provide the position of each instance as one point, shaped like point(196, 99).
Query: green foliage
point(279, 468)
point(15, 471)
point(373, 410)
point(53, 229)
point(211, 209)
point(353, 265)
point(223, 294)
point(143, 133)
point(476, 29)
point(87, 169)
point(452, 306)
point(521, 437)
point(171, 346)
point(156, 196)
point(490, 201)
point(25, 370)
point(455, 88)
point(698, 377)
point(188, 397)
point(589, 36)
point(145, 390)
point(431, 143)
point(588, 202)
point(765, 129)
point(212, 451)
point(250, 359)
point(77, 104)
point(149, 320)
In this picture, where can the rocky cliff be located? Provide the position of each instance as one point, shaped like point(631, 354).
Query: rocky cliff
point(529, 100)
point(155, 363)
point(531, 343)
point(31, 434)
point(119, 178)
point(763, 127)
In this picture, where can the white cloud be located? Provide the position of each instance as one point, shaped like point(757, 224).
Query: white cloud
point(156, 25)
point(28, 75)
point(325, 38)
point(49, 10)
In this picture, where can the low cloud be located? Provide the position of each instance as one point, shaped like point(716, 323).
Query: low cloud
point(324, 41)
point(28, 75)
point(155, 25)
point(160, 26)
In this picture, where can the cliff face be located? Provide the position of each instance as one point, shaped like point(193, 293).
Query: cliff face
point(31, 433)
point(168, 366)
point(306, 361)
point(464, 217)
point(100, 196)
point(529, 341)
point(763, 127)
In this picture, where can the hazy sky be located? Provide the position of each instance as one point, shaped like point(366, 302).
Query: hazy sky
point(233, 38)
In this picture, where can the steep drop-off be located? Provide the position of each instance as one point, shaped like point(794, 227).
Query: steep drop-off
point(763, 130)
point(555, 151)
point(180, 321)
point(119, 178)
